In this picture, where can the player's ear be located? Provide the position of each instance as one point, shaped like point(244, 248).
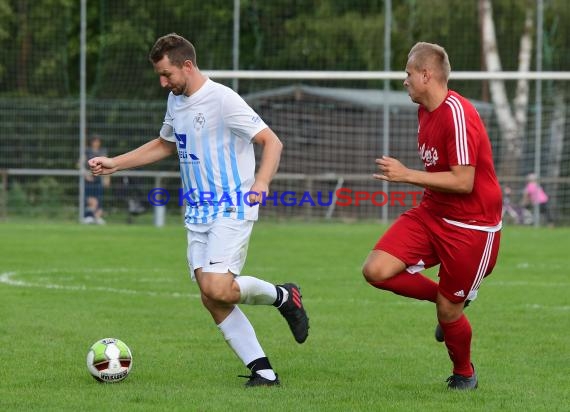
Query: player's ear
point(188, 65)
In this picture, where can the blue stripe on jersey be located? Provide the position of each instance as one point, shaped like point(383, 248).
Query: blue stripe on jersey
point(210, 171)
point(198, 178)
point(186, 182)
point(223, 169)
point(235, 172)
point(191, 212)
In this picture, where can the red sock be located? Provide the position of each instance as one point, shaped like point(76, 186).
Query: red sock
point(415, 286)
point(458, 341)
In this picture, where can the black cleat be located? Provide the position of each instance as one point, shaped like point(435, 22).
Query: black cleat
point(294, 312)
point(461, 382)
point(439, 331)
point(257, 380)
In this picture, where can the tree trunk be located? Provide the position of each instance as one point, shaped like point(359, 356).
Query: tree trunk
point(521, 98)
point(511, 125)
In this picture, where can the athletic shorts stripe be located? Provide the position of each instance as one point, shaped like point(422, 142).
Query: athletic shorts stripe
point(484, 263)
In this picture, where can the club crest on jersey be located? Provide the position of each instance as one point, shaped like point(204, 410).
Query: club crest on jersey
point(428, 155)
point(199, 121)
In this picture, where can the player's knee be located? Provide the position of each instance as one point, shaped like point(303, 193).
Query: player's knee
point(216, 294)
point(448, 316)
point(448, 311)
point(375, 272)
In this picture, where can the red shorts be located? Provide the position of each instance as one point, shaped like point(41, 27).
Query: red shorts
point(465, 256)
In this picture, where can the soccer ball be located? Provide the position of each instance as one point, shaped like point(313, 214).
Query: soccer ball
point(109, 360)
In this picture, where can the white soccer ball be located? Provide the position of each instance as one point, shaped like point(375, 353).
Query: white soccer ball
point(109, 360)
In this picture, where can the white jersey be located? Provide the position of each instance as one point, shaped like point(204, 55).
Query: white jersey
point(213, 131)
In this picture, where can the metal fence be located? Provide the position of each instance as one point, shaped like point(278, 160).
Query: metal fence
point(75, 69)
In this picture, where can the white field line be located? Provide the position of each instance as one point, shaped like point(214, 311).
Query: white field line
point(14, 278)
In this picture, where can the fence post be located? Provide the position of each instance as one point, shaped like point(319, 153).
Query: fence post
point(159, 211)
point(4, 194)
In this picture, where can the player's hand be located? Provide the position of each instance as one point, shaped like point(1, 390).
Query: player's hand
point(102, 166)
point(392, 170)
point(259, 188)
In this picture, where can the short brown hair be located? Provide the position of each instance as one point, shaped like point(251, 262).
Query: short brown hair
point(431, 55)
point(176, 47)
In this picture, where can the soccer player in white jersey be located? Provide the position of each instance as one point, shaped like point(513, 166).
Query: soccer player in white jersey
point(212, 130)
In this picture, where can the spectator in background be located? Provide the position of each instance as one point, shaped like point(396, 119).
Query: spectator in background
point(533, 194)
point(513, 212)
point(93, 213)
point(94, 185)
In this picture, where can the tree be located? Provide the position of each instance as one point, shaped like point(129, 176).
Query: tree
point(511, 123)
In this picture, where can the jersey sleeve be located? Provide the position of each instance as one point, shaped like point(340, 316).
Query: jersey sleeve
point(240, 118)
point(463, 128)
point(167, 129)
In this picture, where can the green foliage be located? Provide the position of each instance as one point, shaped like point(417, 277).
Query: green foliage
point(41, 198)
point(39, 39)
point(6, 19)
point(555, 37)
point(17, 198)
point(335, 42)
point(33, 40)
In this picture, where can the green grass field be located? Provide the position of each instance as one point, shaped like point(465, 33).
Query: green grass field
point(64, 286)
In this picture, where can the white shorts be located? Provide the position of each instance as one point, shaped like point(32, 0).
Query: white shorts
point(219, 246)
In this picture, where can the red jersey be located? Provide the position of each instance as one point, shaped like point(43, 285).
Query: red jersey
point(454, 134)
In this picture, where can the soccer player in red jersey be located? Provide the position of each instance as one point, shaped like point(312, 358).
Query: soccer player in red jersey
point(457, 224)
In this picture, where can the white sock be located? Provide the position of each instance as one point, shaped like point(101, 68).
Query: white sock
point(285, 295)
point(239, 334)
point(255, 291)
point(267, 374)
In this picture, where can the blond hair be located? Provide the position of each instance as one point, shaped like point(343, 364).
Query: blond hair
point(430, 56)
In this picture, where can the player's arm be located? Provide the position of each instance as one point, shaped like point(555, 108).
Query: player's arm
point(270, 157)
point(458, 180)
point(150, 152)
